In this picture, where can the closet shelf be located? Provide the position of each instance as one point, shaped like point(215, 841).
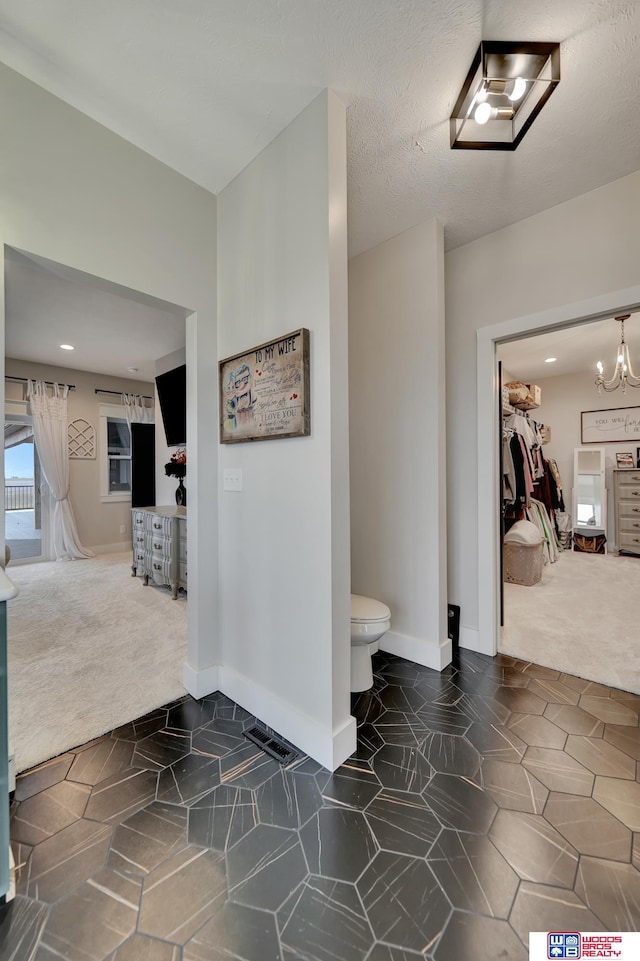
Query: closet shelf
point(526, 406)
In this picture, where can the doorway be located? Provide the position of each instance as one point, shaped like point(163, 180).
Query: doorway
point(25, 506)
point(488, 339)
point(570, 598)
point(130, 640)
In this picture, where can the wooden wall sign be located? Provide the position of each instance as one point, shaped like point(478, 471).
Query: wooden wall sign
point(613, 426)
point(264, 392)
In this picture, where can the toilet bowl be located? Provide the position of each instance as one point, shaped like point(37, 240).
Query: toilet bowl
point(370, 619)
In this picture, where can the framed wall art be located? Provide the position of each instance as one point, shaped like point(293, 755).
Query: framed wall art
point(264, 392)
point(612, 426)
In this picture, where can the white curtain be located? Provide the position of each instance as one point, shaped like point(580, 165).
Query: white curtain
point(50, 432)
point(135, 411)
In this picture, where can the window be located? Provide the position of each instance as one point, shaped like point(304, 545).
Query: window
point(115, 454)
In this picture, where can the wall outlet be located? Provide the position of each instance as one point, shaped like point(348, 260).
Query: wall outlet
point(123, 529)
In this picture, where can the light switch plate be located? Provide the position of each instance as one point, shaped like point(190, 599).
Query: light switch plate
point(232, 478)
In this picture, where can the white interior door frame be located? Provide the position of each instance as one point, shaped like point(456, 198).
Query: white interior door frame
point(488, 338)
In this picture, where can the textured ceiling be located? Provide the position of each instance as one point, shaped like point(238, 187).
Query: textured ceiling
point(204, 85)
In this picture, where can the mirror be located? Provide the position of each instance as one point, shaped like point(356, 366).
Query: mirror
point(589, 495)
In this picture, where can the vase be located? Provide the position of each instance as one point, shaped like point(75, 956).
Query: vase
point(181, 494)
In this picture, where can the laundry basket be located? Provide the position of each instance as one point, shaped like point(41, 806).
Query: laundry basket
point(523, 563)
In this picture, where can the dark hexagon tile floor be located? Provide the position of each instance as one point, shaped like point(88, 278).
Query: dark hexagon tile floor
point(482, 802)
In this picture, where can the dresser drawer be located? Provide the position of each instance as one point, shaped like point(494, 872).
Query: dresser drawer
point(628, 478)
point(629, 542)
point(182, 551)
point(138, 520)
point(160, 545)
point(630, 525)
point(628, 508)
point(160, 525)
point(160, 570)
point(139, 539)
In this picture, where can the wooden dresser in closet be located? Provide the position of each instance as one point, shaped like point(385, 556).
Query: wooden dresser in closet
point(627, 510)
point(159, 540)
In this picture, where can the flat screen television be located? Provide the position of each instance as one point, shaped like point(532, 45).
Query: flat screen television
point(172, 394)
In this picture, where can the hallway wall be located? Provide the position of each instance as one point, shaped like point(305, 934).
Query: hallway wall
point(284, 540)
point(397, 438)
point(584, 248)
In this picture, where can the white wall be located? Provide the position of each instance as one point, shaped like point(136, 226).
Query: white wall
point(75, 193)
point(585, 250)
point(284, 540)
point(397, 438)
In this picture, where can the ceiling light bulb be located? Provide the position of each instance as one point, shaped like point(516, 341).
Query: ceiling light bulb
point(516, 89)
point(551, 360)
point(483, 112)
point(620, 359)
point(599, 367)
point(66, 347)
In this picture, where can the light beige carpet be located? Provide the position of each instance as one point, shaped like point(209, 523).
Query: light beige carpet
point(90, 649)
point(583, 617)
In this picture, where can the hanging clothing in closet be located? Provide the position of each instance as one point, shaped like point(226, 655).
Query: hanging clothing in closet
point(532, 487)
point(549, 487)
point(523, 464)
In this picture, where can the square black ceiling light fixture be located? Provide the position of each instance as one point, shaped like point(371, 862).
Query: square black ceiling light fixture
point(505, 90)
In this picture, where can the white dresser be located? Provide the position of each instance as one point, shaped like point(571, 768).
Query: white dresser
point(159, 538)
point(627, 510)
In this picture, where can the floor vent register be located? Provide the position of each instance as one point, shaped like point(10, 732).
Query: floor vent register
point(270, 744)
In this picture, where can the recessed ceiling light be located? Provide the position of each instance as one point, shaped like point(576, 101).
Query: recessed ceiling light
point(133, 370)
point(66, 347)
point(551, 360)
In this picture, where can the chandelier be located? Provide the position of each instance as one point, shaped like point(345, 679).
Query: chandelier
point(623, 375)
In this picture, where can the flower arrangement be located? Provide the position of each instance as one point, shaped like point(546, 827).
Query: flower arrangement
point(177, 466)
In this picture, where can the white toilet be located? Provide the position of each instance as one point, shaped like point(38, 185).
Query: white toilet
point(370, 619)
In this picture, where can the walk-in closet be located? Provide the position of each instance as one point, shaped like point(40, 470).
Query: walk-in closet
point(570, 501)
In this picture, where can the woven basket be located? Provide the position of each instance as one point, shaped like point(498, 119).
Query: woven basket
point(523, 563)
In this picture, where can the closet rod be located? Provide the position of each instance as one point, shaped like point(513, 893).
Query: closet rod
point(25, 380)
point(101, 390)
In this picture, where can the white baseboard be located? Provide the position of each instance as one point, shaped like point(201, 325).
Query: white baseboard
point(202, 682)
point(112, 548)
point(417, 649)
point(329, 748)
point(470, 638)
